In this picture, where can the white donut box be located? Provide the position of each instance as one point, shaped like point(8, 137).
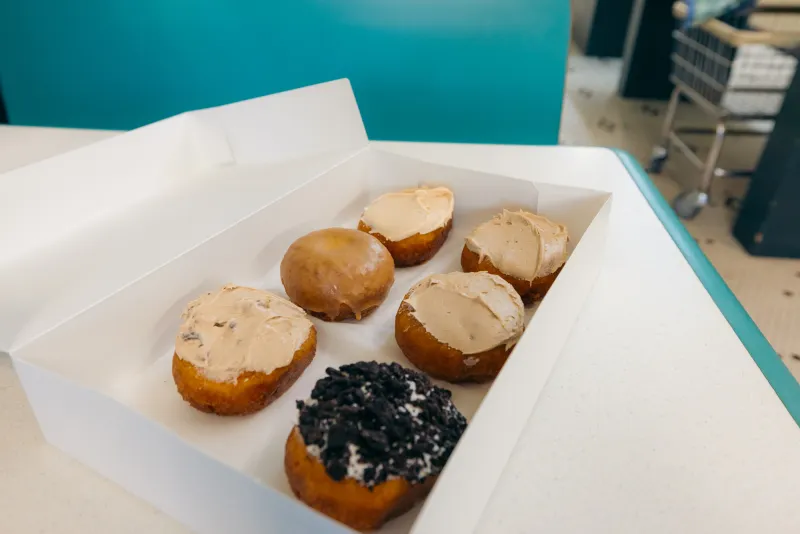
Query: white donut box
point(109, 243)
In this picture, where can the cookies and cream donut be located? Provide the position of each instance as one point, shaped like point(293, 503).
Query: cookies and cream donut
point(370, 442)
point(412, 223)
point(337, 273)
point(460, 326)
point(240, 348)
point(526, 249)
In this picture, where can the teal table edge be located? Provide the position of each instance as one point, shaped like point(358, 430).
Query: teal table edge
point(768, 361)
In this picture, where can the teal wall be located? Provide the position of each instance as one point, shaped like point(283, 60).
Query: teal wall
point(488, 71)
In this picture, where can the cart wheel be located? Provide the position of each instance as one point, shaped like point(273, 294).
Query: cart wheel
point(734, 203)
point(690, 203)
point(657, 160)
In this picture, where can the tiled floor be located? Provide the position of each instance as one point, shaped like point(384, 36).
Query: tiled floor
point(768, 288)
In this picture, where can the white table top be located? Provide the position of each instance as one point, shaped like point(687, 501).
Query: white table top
point(655, 418)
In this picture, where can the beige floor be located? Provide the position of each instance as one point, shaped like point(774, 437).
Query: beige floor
point(768, 288)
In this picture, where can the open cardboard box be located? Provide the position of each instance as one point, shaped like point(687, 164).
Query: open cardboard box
point(95, 359)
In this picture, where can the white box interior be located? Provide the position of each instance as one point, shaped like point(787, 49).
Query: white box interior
point(121, 348)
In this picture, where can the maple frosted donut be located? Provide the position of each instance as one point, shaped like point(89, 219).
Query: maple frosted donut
point(460, 327)
point(370, 442)
point(337, 273)
point(238, 349)
point(526, 249)
point(413, 224)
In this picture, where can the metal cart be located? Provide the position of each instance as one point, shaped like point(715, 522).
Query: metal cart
point(736, 69)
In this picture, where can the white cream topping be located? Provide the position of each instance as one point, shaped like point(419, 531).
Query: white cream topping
point(471, 312)
point(402, 214)
point(355, 465)
point(238, 329)
point(521, 244)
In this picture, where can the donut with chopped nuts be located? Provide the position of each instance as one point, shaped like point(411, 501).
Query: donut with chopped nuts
point(370, 442)
point(238, 349)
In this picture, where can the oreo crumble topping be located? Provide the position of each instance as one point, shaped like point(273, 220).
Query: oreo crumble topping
point(375, 421)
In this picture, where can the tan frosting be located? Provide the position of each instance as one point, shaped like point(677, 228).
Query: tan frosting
point(521, 244)
point(471, 312)
point(399, 215)
point(238, 329)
